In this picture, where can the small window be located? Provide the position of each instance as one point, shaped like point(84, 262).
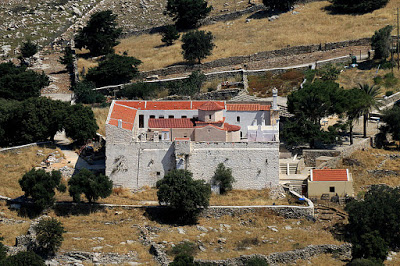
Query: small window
point(331, 189)
point(238, 119)
point(184, 116)
point(141, 121)
point(185, 136)
point(161, 117)
point(152, 116)
point(171, 116)
point(209, 117)
point(241, 134)
point(158, 173)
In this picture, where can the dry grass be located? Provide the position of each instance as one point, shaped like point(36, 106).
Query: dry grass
point(350, 78)
point(14, 164)
point(370, 159)
point(321, 260)
point(100, 114)
point(312, 25)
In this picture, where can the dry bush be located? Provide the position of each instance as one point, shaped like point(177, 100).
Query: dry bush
point(100, 114)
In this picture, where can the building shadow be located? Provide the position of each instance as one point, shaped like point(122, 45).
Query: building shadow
point(70, 208)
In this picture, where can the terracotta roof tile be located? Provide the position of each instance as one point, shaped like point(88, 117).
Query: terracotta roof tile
point(329, 175)
point(170, 123)
point(211, 106)
point(125, 125)
point(247, 107)
point(126, 114)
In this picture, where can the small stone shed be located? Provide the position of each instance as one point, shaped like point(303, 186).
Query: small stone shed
point(329, 182)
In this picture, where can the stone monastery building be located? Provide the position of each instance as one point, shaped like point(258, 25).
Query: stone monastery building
point(146, 139)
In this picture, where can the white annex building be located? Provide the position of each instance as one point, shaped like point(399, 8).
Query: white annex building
point(146, 139)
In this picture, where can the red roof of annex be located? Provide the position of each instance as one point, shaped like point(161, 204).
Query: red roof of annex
point(329, 175)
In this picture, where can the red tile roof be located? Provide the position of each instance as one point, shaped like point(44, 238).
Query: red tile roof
point(166, 105)
point(170, 123)
point(182, 139)
point(247, 107)
point(229, 127)
point(126, 114)
point(329, 175)
point(211, 106)
point(225, 127)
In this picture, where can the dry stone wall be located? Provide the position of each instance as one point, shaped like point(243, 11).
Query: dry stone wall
point(242, 60)
point(287, 257)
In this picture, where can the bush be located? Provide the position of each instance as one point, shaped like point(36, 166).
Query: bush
point(169, 35)
point(84, 93)
point(357, 6)
point(185, 196)
point(363, 262)
point(93, 186)
point(80, 125)
point(68, 59)
point(282, 5)
point(185, 248)
point(18, 83)
point(197, 45)
point(388, 93)
point(390, 80)
point(140, 90)
point(256, 261)
point(28, 49)
point(329, 72)
point(3, 249)
point(183, 260)
point(24, 258)
point(189, 86)
point(49, 235)
point(223, 177)
point(114, 70)
point(381, 42)
point(40, 186)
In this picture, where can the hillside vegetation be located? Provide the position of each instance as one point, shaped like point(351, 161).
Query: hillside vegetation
point(308, 24)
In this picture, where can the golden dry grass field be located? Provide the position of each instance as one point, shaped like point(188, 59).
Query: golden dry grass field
point(312, 25)
point(371, 159)
point(100, 114)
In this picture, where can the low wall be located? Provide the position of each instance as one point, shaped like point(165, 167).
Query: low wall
point(238, 60)
point(25, 146)
point(287, 257)
point(310, 156)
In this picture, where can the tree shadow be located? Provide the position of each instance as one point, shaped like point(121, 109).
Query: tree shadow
point(166, 215)
point(183, 63)
point(59, 72)
point(262, 14)
point(366, 65)
point(331, 10)
point(70, 208)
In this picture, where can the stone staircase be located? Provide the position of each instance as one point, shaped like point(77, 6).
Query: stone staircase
point(288, 168)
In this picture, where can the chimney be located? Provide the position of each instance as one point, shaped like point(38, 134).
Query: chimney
point(119, 123)
point(274, 99)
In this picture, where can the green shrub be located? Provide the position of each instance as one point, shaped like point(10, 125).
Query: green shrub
point(378, 80)
point(388, 93)
point(256, 261)
point(40, 186)
point(3, 250)
point(223, 177)
point(91, 185)
point(183, 260)
point(185, 248)
point(363, 262)
point(84, 93)
point(49, 235)
point(24, 258)
point(28, 49)
point(169, 35)
point(140, 90)
point(390, 80)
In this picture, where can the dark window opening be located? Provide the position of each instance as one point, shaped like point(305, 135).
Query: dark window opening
point(141, 121)
point(184, 116)
point(241, 134)
point(209, 117)
point(171, 116)
point(152, 116)
point(238, 119)
point(331, 189)
point(158, 173)
point(161, 117)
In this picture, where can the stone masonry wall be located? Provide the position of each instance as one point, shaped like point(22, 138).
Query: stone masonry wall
point(136, 164)
point(237, 60)
point(286, 257)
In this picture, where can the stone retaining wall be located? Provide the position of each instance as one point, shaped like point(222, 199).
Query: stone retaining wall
point(238, 60)
point(285, 257)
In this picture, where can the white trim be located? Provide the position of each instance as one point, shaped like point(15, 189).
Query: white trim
point(110, 112)
point(311, 174)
